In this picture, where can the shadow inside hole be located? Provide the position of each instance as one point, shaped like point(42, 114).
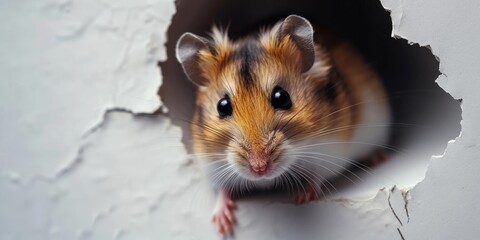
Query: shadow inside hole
point(423, 113)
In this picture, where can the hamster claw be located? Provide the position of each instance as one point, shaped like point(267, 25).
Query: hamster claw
point(223, 215)
point(378, 157)
point(309, 194)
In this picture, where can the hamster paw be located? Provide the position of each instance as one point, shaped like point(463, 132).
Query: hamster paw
point(378, 157)
point(223, 215)
point(308, 194)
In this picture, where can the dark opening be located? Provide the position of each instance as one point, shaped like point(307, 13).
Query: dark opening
point(408, 71)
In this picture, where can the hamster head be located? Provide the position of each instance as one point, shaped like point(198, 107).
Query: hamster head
point(254, 97)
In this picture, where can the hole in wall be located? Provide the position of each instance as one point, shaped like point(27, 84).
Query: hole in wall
point(430, 116)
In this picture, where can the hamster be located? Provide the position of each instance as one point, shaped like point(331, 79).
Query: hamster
point(289, 105)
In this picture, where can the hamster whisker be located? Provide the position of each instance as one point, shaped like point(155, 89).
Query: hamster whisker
point(293, 135)
point(378, 99)
point(391, 148)
point(199, 155)
point(279, 181)
point(227, 178)
point(286, 180)
point(246, 185)
point(233, 184)
point(363, 167)
point(217, 176)
point(320, 178)
point(225, 163)
point(347, 127)
point(216, 142)
point(325, 131)
point(332, 113)
point(222, 161)
point(207, 160)
point(291, 118)
point(293, 183)
point(289, 128)
point(361, 103)
point(213, 130)
point(310, 180)
point(237, 182)
point(344, 108)
point(301, 158)
point(297, 180)
point(339, 173)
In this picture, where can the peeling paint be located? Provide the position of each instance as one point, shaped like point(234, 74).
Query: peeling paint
point(77, 160)
point(66, 83)
point(406, 198)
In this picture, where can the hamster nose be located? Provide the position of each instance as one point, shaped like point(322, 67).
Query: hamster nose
point(260, 168)
point(259, 164)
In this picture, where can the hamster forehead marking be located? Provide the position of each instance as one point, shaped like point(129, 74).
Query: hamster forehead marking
point(250, 68)
point(253, 60)
point(247, 53)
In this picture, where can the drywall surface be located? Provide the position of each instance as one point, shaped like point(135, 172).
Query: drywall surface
point(73, 165)
point(63, 64)
point(445, 205)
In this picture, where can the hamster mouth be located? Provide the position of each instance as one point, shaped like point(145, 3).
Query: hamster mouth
point(263, 166)
point(261, 170)
point(268, 171)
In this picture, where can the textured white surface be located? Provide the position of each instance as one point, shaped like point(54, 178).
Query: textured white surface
point(445, 205)
point(63, 64)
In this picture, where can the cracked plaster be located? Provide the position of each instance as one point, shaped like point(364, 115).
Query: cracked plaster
point(64, 63)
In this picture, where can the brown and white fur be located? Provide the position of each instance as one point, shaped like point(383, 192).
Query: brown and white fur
point(339, 112)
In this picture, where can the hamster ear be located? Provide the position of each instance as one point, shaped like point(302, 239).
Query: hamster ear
point(186, 51)
point(301, 33)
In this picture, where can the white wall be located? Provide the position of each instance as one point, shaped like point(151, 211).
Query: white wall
point(73, 167)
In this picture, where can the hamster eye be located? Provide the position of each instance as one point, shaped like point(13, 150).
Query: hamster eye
point(281, 99)
point(224, 107)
